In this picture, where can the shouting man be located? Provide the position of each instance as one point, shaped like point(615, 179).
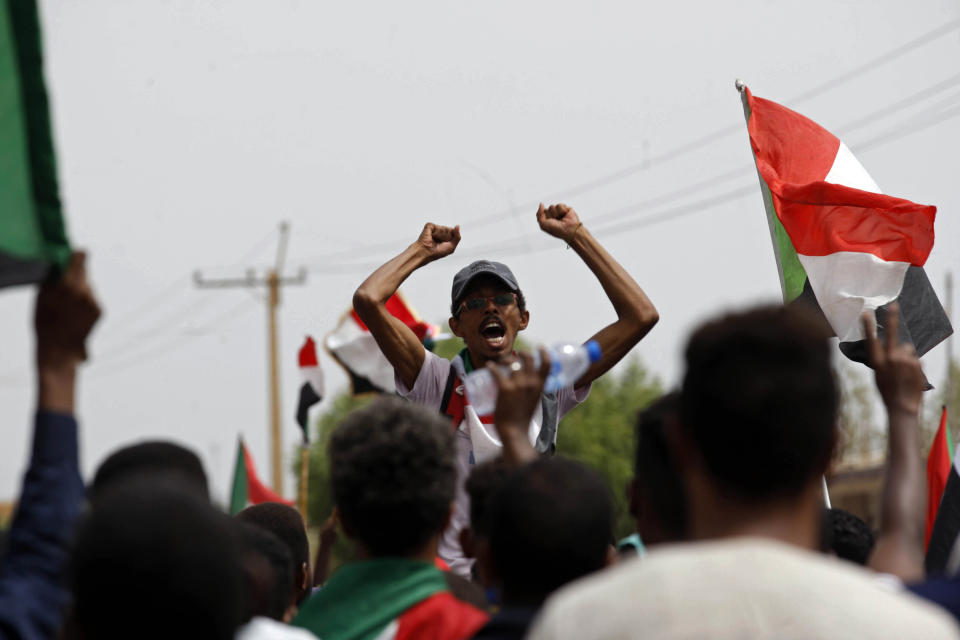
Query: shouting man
point(488, 310)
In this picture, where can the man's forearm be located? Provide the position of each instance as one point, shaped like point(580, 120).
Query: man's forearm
point(902, 497)
point(899, 548)
point(628, 299)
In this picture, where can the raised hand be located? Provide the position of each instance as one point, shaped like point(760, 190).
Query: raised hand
point(559, 220)
point(438, 241)
point(899, 375)
point(65, 313)
point(518, 395)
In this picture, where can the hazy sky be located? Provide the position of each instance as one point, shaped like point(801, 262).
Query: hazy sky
point(188, 130)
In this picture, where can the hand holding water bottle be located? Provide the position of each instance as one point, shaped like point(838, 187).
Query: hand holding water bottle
point(519, 386)
point(567, 363)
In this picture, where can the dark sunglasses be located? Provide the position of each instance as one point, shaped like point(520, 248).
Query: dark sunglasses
point(501, 300)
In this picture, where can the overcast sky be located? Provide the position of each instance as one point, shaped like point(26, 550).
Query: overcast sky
point(186, 131)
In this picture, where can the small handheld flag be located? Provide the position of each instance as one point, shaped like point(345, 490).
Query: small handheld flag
point(311, 391)
point(938, 472)
point(353, 347)
point(841, 245)
point(247, 487)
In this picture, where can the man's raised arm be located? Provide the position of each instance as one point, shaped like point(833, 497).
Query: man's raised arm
point(636, 315)
point(397, 342)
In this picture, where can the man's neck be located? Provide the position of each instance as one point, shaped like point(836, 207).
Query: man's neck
point(427, 554)
point(795, 521)
point(472, 361)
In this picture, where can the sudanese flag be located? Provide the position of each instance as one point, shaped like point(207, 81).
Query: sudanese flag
point(841, 245)
point(247, 487)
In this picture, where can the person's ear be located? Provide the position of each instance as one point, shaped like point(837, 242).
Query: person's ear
point(455, 326)
point(611, 555)
point(524, 319)
point(304, 576)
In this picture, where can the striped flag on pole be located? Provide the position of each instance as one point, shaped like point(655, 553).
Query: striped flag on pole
point(938, 472)
point(247, 487)
point(311, 391)
point(841, 245)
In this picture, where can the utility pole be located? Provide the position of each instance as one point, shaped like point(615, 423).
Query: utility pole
point(273, 281)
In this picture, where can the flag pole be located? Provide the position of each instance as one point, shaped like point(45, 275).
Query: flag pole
point(304, 478)
point(741, 88)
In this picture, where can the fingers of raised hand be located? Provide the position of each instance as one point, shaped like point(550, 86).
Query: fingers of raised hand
point(893, 326)
point(874, 351)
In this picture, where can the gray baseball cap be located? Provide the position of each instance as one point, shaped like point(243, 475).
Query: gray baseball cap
point(466, 275)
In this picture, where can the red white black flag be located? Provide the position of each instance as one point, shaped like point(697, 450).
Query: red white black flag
point(353, 347)
point(311, 391)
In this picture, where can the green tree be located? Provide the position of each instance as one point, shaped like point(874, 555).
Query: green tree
point(600, 432)
point(320, 495)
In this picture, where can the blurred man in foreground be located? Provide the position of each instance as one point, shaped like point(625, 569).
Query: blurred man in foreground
point(757, 430)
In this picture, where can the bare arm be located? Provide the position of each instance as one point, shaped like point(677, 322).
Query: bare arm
point(899, 547)
point(636, 315)
point(397, 342)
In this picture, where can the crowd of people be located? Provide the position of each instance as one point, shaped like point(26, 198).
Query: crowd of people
point(476, 526)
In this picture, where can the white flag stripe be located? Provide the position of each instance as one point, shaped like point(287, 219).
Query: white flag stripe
point(313, 375)
point(357, 349)
point(848, 171)
point(847, 283)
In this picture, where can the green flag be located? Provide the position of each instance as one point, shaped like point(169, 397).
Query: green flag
point(32, 233)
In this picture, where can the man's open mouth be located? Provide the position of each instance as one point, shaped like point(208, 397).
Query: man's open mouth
point(493, 332)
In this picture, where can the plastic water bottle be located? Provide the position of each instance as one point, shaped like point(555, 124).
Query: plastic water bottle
point(567, 363)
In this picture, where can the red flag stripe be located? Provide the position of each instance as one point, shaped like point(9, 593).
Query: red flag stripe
point(399, 309)
point(257, 492)
point(938, 471)
point(308, 354)
point(794, 155)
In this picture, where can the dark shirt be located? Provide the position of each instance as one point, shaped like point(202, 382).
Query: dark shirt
point(33, 591)
point(942, 591)
point(510, 623)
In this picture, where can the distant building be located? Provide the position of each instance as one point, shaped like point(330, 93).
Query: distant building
point(855, 486)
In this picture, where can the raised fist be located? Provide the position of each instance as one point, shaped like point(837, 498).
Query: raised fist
point(558, 220)
point(65, 313)
point(438, 241)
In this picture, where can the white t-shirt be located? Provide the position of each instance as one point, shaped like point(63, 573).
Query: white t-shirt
point(743, 588)
point(476, 442)
point(260, 628)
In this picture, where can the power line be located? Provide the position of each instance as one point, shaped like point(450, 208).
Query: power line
point(696, 187)
point(169, 346)
point(520, 244)
point(682, 149)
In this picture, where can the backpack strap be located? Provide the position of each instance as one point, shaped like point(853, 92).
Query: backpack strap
point(452, 403)
point(546, 439)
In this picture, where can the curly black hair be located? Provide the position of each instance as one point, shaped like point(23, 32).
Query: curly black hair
point(394, 475)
